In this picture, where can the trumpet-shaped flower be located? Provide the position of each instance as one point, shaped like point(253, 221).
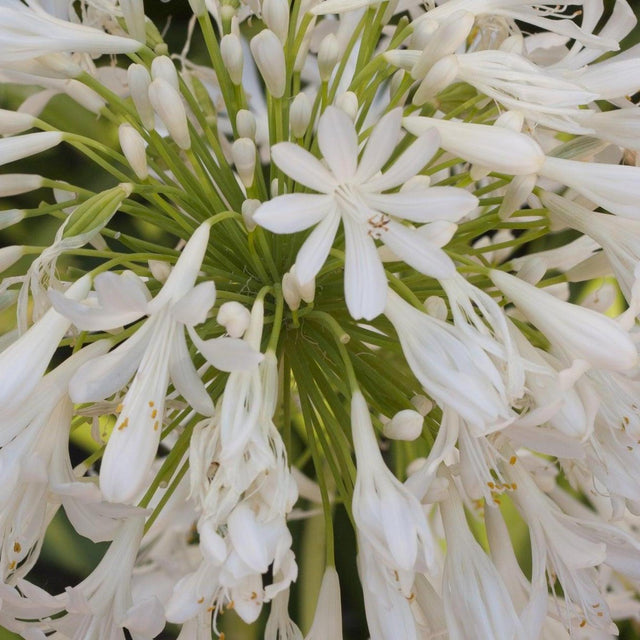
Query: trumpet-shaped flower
point(352, 191)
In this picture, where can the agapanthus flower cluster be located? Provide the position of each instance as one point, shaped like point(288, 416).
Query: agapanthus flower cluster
point(359, 257)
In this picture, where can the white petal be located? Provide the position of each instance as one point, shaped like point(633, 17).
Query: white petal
point(124, 292)
point(434, 203)
point(316, 247)
point(227, 354)
point(438, 233)
point(194, 306)
point(380, 145)
point(185, 377)
point(412, 248)
point(338, 143)
point(365, 283)
point(292, 212)
point(408, 164)
point(304, 168)
point(145, 618)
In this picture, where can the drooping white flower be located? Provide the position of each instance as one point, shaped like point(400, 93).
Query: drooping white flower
point(353, 192)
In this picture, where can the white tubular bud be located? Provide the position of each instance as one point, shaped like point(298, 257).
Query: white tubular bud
point(12, 122)
point(10, 255)
point(422, 404)
point(139, 81)
point(84, 96)
point(246, 124)
point(275, 14)
point(28, 144)
point(198, 7)
point(13, 184)
point(167, 103)
point(269, 56)
point(133, 12)
point(405, 425)
point(300, 115)
point(328, 55)
point(348, 102)
point(291, 291)
point(134, 148)
point(234, 318)
point(396, 81)
point(249, 207)
point(423, 32)
point(232, 56)
point(307, 289)
point(435, 306)
point(163, 67)
point(439, 77)
point(243, 153)
point(10, 217)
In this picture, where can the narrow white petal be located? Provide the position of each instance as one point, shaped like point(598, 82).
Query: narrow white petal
point(227, 354)
point(365, 283)
point(194, 306)
point(338, 143)
point(316, 247)
point(304, 168)
point(412, 248)
point(292, 212)
point(123, 292)
point(434, 203)
point(410, 163)
point(380, 146)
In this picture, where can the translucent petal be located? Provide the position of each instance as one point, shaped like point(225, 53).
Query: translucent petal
point(293, 212)
point(304, 168)
point(338, 143)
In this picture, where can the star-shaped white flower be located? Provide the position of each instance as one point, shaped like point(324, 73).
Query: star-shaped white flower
point(352, 191)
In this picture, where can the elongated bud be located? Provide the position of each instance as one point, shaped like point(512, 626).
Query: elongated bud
point(328, 55)
point(246, 124)
point(13, 184)
point(435, 306)
point(439, 77)
point(275, 14)
point(243, 152)
point(234, 318)
point(232, 56)
point(300, 115)
point(12, 122)
point(269, 56)
point(139, 81)
point(9, 256)
point(405, 425)
point(84, 96)
point(163, 67)
point(348, 102)
point(29, 144)
point(133, 12)
point(134, 148)
point(167, 103)
point(10, 217)
point(291, 291)
point(198, 7)
point(249, 207)
point(422, 404)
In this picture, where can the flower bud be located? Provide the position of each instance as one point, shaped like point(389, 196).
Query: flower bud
point(9, 256)
point(134, 148)
point(198, 7)
point(246, 124)
point(12, 122)
point(300, 115)
point(422, 404)
point(405, 425)
point(10, 217)
point(348, 102)
point(243, 152)
point(249, 207)
point(269, 56)
point(436, 307)
point(439, 77)
point(163, 67)
point(84, 96)
point(29, 144)
point(13, 184)
point(234, 318)
point(139, 81)
point(133, 12)
point(232, 56)
point(291, 291)
point(167, 103)
point(275, 14)
point(328, 55)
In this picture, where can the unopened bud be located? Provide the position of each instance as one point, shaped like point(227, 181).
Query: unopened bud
point(275, 14)
point(10, 255)
point(84, 96)
point(348, 102)
point(328, 55)
point(269, 56)
point(246, 124)
point(134, 148)
point(160, 270)
point(439, 77)
point(13, 184)
point(133, 12)
point(396, 81)
point(422, 404)
point(232, 56)
point(436, 307)
point(249, 207)
point(291, 291)
point(243, 152)
point(405, 425)
point(163, 67)
point(9, 217)
point(198, 7)
point(139, 81)
point(234, 318)
point(300, 115)
point(167, 103)
point(12, 122)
